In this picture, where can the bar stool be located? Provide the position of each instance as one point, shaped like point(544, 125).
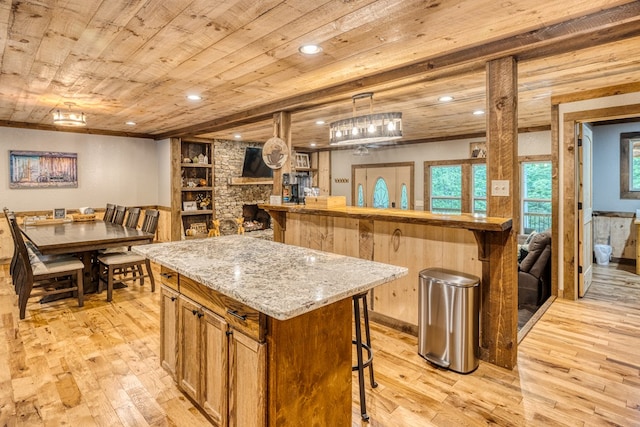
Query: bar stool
point(363, 345)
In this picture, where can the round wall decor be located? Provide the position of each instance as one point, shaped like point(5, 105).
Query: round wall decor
point(275, 152)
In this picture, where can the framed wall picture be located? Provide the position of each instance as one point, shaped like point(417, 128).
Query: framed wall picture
point(302, 161)
point(190, 206)
point(478, 150)
point(42, 169)
point(59, 213)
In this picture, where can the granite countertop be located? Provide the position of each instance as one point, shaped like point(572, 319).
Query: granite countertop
point(281, 281)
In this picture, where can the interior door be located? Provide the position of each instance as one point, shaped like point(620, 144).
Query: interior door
point(585, 209)
point(388, 174)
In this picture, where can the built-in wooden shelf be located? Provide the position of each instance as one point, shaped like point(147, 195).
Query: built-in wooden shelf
point(197, 188)
point(250, 181)
point(195, 165)
point(198, 212)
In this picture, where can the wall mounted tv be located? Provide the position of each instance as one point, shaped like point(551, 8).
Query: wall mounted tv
point(254, 166)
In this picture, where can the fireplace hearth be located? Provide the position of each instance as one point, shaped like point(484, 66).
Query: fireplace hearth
point(255, 218)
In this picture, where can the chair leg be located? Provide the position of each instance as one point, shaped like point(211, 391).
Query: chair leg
point(363, 404)
point(109, 283)
point(374, 384)
point(80, 283)
point(150, 273)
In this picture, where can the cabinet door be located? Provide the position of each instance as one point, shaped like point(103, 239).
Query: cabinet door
point(247, 381)
point(214, 369)
point(169, 330)
point(190, 342)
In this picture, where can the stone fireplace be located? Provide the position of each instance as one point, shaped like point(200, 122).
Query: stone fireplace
point(230, 200)
point(255, 218)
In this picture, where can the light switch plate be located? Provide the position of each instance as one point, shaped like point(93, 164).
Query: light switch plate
point(500, 187)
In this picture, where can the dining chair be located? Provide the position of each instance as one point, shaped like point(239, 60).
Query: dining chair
point(133, 216)
point(36, 276)
point(109, 212)
point(14, 258)
point(120, 264)
point(118, 215)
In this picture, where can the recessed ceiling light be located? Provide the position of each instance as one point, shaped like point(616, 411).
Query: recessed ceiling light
point(130, 123)
point(237, 136)
point(445, 98)
point(478, 113)
point(194, 97)
point(319, 122)
point(310, 49)
point(313, 144)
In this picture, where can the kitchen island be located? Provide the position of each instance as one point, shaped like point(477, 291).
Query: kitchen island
point(259, 333)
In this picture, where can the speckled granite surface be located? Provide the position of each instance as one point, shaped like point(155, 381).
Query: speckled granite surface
point(281, 281)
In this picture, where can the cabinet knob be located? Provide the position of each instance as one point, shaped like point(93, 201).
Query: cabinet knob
point(173, 299)
point(229, 332)
point(194, 312)
point(166, 275)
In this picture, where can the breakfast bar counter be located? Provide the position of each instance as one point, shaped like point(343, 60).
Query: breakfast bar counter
point(257, 332)
point(465, 242)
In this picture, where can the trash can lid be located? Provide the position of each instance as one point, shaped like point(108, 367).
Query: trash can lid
point(449, 277)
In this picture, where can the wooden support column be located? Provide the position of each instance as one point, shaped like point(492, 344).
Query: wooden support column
point(282, 129)
point(176, 186)
point(499, 306)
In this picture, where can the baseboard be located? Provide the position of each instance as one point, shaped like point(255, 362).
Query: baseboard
point(399, 325)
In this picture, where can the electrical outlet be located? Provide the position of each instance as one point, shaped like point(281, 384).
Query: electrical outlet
point(500, 187)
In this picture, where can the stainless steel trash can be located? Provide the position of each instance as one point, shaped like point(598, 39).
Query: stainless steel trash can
point(448, 323)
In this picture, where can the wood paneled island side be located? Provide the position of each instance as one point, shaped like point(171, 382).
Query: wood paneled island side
point(258, 333)
point(468, 243)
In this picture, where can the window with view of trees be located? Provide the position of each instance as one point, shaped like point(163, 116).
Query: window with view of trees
point(446, 189)
point(479, 192)
point(536, 196)
point(630, 165)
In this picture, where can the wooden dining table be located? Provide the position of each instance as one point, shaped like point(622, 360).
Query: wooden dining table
point(84, 238)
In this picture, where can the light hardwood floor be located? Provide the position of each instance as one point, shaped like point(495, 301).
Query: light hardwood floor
point(579, 365)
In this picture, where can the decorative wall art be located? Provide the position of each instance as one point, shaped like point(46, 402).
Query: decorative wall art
point(478, 150)
point(302, 161)
point(43, 169)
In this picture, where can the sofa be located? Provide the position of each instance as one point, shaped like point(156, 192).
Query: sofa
point(534, 270)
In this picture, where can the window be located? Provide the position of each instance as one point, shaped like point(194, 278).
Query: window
point(630, 165)
point(446, 189)
point(380, 194)
point(360, 195)
point(404, 198)
point(536, 196)
point(479, 188)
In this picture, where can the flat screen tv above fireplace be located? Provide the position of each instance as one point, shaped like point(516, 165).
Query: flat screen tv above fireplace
point(254, 166)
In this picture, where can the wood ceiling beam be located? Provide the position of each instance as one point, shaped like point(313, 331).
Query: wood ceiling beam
point(606, 26)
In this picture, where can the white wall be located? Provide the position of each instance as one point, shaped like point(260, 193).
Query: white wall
point(111, 169)
point(532, 143)
point(606, 169)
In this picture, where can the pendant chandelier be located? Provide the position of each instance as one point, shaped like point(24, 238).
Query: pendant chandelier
point(69, 118)
point(366, 129)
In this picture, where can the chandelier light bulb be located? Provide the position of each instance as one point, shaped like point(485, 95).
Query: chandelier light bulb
point(355, 130)
point(338, 133)
point(391, 126)
point(371, 128)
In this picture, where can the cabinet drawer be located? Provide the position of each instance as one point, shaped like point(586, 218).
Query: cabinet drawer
point(238, 315)
point(245, 319)
point(169, 278)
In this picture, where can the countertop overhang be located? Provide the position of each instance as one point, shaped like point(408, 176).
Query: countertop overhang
point(281, 281)
point(467, 221)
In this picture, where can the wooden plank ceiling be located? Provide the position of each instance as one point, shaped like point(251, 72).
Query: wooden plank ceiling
point(128, 60)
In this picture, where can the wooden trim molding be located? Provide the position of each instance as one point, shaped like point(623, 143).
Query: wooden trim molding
point(625, 161)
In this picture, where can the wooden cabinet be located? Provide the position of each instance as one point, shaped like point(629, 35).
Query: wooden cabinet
point(220, 367)
point(169, 329)
point(247, 397)
point(192, 184)
point(169, 320)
